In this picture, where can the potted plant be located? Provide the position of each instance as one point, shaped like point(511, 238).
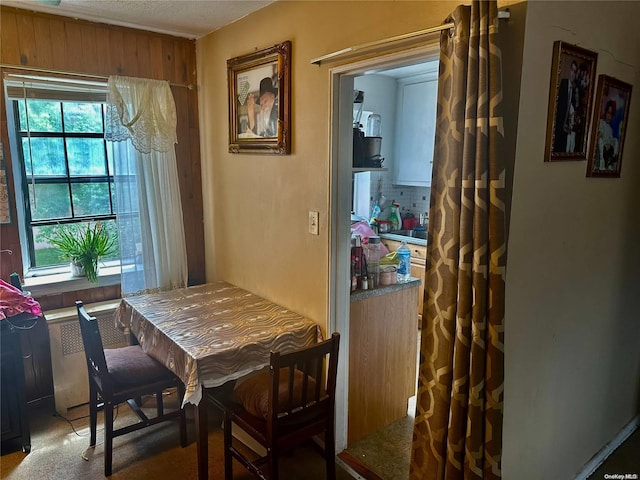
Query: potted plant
point(84, 247)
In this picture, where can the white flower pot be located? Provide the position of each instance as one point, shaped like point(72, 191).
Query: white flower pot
point(77, 270)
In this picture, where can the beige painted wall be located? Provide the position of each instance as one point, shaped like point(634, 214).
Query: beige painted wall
point(572, 355)
point(573, 322)
point(256, 206)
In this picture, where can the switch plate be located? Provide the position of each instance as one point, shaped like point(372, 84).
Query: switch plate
point(313, 222)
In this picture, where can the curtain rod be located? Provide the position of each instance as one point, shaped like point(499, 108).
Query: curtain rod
point(406, 36)
point(76, 74)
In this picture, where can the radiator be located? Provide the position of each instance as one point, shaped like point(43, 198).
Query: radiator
point(70, 381)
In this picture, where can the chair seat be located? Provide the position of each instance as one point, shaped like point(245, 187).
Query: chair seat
point(252, 391)
point(127, 365)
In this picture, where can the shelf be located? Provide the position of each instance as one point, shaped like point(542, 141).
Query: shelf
point(369, 169)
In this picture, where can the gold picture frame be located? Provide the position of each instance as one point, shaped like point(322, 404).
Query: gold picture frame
point(573, 74)
point(260, 101)
point(609, 127)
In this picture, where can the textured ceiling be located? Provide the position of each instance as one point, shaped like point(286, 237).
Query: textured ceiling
point(182, 18)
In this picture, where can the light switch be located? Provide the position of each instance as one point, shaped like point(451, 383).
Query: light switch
point(313, 223)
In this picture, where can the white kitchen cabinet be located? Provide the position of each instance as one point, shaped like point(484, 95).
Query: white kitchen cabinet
point(415, 130)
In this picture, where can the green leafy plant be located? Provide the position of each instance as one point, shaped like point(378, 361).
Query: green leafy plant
point(84, 246)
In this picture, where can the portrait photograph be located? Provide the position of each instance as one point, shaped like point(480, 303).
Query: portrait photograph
point(609, 126)
point(570, 102)
point(259, 101)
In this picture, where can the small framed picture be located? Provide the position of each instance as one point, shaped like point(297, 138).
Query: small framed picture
point(260, 101)
point(573, 74)
point(609, 127)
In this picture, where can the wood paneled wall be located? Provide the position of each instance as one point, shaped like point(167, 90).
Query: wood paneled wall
point(43, 41)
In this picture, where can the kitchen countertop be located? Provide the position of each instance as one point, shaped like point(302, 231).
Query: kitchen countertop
point(404, 238)
point(360, 295)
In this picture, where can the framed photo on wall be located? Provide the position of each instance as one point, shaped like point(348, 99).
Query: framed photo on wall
point(609, 127)
point(573, 73)
point(260, 101)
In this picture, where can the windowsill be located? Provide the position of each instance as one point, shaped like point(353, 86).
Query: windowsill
point(47, 283)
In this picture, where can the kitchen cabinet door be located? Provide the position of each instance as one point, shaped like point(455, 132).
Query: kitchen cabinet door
point(415, 131)
point(383, 342)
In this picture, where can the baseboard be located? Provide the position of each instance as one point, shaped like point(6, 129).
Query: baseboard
point(599, 458)
point(357, 466)
point(346, 467)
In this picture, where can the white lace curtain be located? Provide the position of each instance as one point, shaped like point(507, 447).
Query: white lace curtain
point(141, 121)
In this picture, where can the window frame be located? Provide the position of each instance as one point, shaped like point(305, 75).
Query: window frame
point(63, 92)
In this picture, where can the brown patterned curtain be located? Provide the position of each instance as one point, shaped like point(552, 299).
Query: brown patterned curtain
point(458, 424)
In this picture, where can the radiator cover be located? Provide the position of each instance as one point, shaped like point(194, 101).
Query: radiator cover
point(70, 380)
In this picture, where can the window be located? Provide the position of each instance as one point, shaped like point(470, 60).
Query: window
point(65, 165)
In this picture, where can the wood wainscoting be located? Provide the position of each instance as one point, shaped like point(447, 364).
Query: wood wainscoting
point(49, 42)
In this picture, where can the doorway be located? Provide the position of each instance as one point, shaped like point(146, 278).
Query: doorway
point(341, 198)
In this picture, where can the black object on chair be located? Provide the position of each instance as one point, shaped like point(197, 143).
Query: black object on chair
point(121, 375)
point(284, 406)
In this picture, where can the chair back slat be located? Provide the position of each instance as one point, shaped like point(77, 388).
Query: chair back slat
point(93, 349)
point(318, 374)
point(305, 383)
point(310, 393)
point(292, 377)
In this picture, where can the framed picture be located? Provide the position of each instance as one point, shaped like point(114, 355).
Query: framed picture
point(573, 74)
point(609, 127)
point(260, 101)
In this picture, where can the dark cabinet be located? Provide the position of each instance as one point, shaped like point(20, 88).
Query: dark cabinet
point(14, 420)
point(36, 358)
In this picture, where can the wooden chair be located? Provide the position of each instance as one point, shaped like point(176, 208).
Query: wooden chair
point(121, 375)
point(284, 406)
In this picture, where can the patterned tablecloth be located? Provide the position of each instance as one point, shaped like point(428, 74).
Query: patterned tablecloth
point(210, 334)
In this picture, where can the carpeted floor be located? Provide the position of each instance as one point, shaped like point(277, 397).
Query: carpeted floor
point(151, 453)
point(155, 452)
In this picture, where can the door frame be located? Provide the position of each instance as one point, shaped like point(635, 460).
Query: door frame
point(340, 162)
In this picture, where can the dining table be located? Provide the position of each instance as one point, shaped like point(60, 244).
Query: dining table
point(209, 335)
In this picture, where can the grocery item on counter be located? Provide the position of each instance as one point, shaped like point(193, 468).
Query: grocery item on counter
point(388, 275)
point(364, 230)
point(356, 262)
point(384, 226)
point(394, 216)
point(372, 254)
point(375, 213)
point(409, 222)
point(390, 258)
point(404, 263)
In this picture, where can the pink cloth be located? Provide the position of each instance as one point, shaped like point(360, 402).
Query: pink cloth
point(364, 230)
point(13, 302)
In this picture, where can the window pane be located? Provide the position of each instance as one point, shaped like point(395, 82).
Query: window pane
point(110, 158)
point(44, 116)
point(48, 156)
point(82, 117)
point(111, 227)
point(46, 254)
point(113, 197)
point(86, 156)
point(90, 199)
point(22, 126)
point(51, 201)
